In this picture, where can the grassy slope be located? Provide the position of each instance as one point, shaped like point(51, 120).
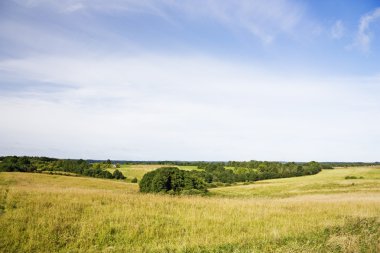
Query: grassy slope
point(326, 182)
point(48, 213)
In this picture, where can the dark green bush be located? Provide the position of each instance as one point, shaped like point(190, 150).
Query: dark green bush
point(134, 180)
point(353, 177)
point(118, 175)
point(173, 181)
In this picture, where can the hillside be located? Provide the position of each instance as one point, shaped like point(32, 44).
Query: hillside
point(318, 213)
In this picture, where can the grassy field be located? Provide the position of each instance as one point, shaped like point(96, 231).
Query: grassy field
point(138, 170)
point(320, 213)
point(326, 182)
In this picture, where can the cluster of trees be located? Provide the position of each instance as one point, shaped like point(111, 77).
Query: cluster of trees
point(16, 164)
point(209, 172)
point(173, 181)
point(254, 170)
point(168, 163)
point(40, 164)
point(349, 164)
point(256, 164)
point(247, 164)
point(105, 164)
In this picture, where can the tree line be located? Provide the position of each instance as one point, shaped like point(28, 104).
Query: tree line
point(170, 179)
point(349, 164)
point(41, 164)
point(210, 172)
point(174, 181)
point(254, 171)
point(243, 164)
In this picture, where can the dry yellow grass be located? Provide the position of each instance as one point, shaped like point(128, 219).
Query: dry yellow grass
point(45, 213)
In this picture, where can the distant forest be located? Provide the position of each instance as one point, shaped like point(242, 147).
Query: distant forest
point(231, 163)
point(56, 166)
point(212, 173)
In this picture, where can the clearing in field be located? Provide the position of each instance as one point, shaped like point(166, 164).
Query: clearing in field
point(138, 170)
point(320, 213)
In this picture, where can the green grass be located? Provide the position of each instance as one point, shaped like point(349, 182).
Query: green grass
point(319, 213)
point(187, 167)
point(326, 182)
point(138, 170)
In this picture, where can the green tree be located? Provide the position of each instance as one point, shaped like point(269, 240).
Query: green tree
point(108, 163)
point(173, 180)
point(118, 175)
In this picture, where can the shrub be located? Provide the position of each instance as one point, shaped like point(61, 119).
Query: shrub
point(105, 174)
point(172, 180)
point(353, 177)
point(134, 180)
point(118, 175)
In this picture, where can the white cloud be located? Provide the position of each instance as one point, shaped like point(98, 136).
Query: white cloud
point(74, 7)
point(161, 107)
point(364, 36)
point(337, 30)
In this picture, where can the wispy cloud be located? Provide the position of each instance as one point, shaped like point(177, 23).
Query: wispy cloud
point(263, 19)
point(364, 37)
point(337, 30)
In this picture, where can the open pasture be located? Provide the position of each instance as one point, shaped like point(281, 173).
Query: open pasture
point(319, 213)
point(138, 170)
point(340, 180)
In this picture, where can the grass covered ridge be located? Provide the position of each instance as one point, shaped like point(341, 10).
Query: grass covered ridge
point(51, 213)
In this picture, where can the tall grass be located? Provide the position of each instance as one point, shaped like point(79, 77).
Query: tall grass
point(49, 213)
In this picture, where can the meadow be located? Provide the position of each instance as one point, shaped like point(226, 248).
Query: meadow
point(138, 170)
point(319, 213)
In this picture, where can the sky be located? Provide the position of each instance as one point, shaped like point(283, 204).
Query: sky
point(277, 80)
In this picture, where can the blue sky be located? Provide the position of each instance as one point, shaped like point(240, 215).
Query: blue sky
point(191, 80)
